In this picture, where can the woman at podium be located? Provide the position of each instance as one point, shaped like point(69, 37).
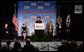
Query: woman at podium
point(39, 33)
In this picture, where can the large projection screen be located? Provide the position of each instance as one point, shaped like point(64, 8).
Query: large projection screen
point(28, 11)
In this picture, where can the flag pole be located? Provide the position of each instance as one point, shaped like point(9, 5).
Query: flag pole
point(15, 20)
point(15, 9)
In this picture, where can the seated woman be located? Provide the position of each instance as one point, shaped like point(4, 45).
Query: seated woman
point(24, 31)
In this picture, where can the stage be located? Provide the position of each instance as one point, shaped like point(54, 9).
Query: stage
point(58, 21)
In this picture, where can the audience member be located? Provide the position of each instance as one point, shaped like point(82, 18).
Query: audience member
point(7, 47)
point(80, 48)
point(73, 45)
point(66, 46)
point(17, 47)
point(28, 46)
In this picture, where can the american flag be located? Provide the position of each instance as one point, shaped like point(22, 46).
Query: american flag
point(15, 22)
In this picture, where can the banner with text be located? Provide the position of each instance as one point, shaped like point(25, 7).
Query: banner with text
point(28, 11)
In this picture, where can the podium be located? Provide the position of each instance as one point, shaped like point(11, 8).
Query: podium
point(39, 30)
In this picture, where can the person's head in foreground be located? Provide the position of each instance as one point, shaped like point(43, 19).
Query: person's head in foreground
point(28, 42)
point(8, 42)
point(17, 44)
point(64, 42)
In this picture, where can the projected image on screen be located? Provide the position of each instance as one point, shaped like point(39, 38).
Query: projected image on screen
point(34, 16)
